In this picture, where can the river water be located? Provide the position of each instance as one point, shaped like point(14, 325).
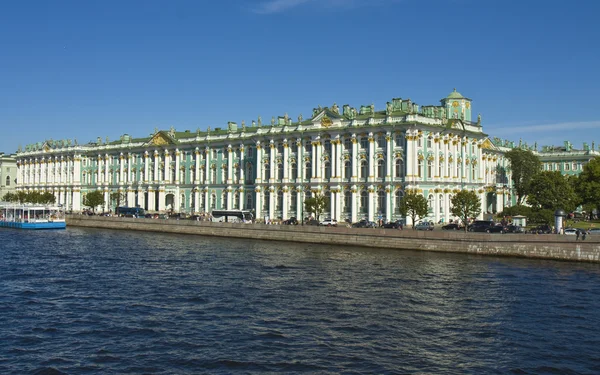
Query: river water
point(85, 301)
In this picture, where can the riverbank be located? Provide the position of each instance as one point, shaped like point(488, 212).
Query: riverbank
point(557, 247)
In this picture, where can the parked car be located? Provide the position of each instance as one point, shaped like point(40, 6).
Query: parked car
point(424, 225)
point(291, 221)
point(541, 229)
point(514, 229)
point(481, 226)
point(364, 224)
point(328, 222)
point(498, 228)
point(394, 224)
point(311, 222)
point(453, 226)
point(571, 231)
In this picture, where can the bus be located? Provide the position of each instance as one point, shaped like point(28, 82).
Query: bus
point(130, 211)
point(232, 216)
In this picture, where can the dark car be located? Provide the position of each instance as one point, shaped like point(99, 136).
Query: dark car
point(541, 229)
point(497, 229)
point(453, 226)
point(364, 224)
point(514, 229)
point(312, 222)
point(394, 224)
point(291, 221)
point(481, 226)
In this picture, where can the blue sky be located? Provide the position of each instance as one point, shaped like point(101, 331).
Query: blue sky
point(87, 69)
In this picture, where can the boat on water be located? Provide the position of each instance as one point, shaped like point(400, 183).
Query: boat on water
point(31, 216)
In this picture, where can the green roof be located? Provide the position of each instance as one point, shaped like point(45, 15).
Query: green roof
point(455, 95)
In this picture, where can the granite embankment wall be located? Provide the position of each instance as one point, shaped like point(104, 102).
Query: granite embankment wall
point(557, 247)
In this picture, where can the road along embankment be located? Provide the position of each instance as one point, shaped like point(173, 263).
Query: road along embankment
point(558, 247)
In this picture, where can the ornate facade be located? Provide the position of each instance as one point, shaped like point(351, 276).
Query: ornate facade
point(8, 174)
point(362, 159)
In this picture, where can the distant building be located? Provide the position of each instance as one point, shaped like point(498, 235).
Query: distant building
point(8, 174)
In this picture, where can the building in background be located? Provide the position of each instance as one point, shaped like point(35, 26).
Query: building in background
point(8, 174)
point(362, 158)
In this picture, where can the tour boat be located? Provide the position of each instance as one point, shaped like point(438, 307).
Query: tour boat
point(29, 216)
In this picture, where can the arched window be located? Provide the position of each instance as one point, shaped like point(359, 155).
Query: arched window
point(399, 168)
point(327, 170)
point(430, 203)
point(224, 200)
point(249, 152)
point(279, 204)
point(294, 170)
point(293, 200)
point(429, 168)
point(213, 174)
point(381, 206)
point(267, 201)
point(473, 172)
point(398, 197)
point(236, 202)
point(364, 170)
point(347, 201)
point(347, 169)
point(307, 171)
point(420, 168)
point(327, 147)
point(364, 142)
point(279, 171)
point(380, 168)
point(236, 174)
point(267, 173)
point(249, 202)
point(348, 144)
point(441, 203)
point(213, 201)
point(249, 172)
point(364, 201)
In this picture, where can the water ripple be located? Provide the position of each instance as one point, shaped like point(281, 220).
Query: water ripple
point(86, 301)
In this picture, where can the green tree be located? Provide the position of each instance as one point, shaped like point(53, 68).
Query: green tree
point(465, 204)
point(550, 190)
point(587, 186)
point(10, 197)
point(118, 197)
point(47, 198)
point(21, 196)
point(93, 199)
point(414, 206)
point(524, 165)
point(316, 205)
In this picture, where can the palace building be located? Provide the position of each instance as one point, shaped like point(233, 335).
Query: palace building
point(364, 160)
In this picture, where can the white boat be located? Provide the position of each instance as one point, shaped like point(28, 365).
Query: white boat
point(31, 216)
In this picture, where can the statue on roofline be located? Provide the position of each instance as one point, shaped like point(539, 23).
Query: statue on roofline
point(259, 121)
point(388, 109)
point(300, 118)
point(335, 109)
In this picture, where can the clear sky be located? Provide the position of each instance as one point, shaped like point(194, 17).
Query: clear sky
point(87, 69)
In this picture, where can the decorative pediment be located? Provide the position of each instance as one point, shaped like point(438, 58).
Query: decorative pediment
point(161, 138)
point(487, 144)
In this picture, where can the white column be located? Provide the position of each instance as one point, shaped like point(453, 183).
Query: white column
point(258, 203)
point(286, 166)
point(354, 159)
point(151, 199)
point(177, 164)
point(196, 199)
point(314, 159)
point(333, 162)
point(259, 164)
point(410, 155)
point(161, 198)
point(76, 200)
point(389, 158)
point(286, 204)
point(229, 170)
point(141, 198)
point(354, 206)
point(388, 202)
point(207, 168)
point(106, 169)
point(242, 172)
point(371, 205)
point(167, 167)
point(272, 166)
point(338, 160)
point(197, 169)
point(121, 169)
point(371, 157)
point(130, 197)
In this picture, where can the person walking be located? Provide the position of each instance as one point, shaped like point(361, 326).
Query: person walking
point(577, 233)
point(583, 234)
